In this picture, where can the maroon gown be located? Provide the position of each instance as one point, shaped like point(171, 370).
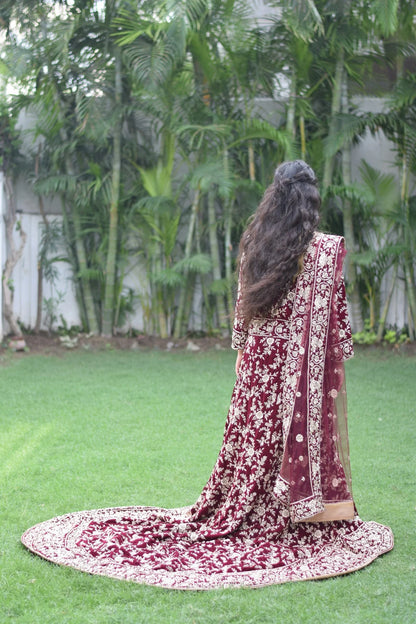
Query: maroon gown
point(269, 512)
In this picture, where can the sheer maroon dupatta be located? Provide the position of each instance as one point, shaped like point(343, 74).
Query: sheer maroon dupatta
point(315, 470)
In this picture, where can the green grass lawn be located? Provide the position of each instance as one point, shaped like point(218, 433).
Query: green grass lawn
point(89, 430)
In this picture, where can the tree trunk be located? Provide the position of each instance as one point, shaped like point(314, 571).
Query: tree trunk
point(163, 325)
point(216, 264)
point(251, 162)
point(228, 224)
point(83, 269)
point(302, 137)
point(189, 301)
point(13, 256)
point(40, 267)
point(408, 259)
point(206, 320)
point(81, 257)
point(335, 110)
point(357, 322)
point(228, 257)
point(291, 111)
point(410, 286)
point(110, 273)
point(383, 316)
point(39, 299)
point(410, 324)
point(180, 316)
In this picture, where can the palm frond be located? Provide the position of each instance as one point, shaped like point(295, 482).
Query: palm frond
point(382, 187)
point(152, 204)
point(212, 173)
point(168, 277)
point(348, 128)
point(130, 26)
point(198, 134)
point(386, 15)
point(404, 94)
point(197, 263)
point(55, 184)
point(158, 180)
point(260, 129)
point(356, 193)
point(302, 18)
point(395, 49)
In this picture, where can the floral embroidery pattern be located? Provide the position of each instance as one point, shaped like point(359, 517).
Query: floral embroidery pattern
point(241, 530)
point(102, 542)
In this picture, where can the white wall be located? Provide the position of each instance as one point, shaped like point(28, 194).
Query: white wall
point(25, 279)
point(2, 254)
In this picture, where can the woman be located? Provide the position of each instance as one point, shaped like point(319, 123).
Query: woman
point(278, 505)
point(291, 287)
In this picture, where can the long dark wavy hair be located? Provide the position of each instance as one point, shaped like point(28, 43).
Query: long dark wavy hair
point(272, 247)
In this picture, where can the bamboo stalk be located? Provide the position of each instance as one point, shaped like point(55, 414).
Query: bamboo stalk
point(302, 137)
point(180, 316)
point(291, 110)
point(81, 257)
point(348, 226)
point(228, 258)
point(216, 266)
point(228, 223)
point(408, 259)
point(383, 317)
point(335, 110)
point(251, 162)
point(110, 270)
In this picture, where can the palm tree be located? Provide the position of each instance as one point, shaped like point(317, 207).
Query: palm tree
point(210, 118)
point(84, 112)
point(399, 125)
point(341, 37)
point(151, 136)
point(372, 202)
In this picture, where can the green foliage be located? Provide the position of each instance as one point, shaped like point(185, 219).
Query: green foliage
point(366, 337)
point(50, 306)
point(126, 306)
point(197, 263)
point(65, 330)
point(396, 337)
point(302, 17)
point(219, 287)
point(10, 141)
point(390, 336)
point(386, 11)
point(188, 114)
point(50, 241)
point(168, 277)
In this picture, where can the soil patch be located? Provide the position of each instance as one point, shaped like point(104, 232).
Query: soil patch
point(52, 344)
